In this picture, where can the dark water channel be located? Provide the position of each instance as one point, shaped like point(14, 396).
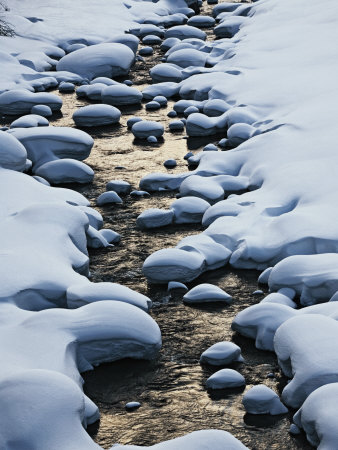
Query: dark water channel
point(171, 388)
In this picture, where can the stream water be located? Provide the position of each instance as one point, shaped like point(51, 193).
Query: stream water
point(171, 389)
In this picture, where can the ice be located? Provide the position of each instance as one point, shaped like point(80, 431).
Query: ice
point(154, 218)
point(30, 120)
point(189, 209)
point(225, 379)
point(85, 293)
point(96, 115)
point(101, 60)
point(317, 417)
point(18, 102)
point(207, 293)
point(198, 440)
point(45, 144)
point(262, 400)
point(121, 187)
point(121, 95)
point(108, 198)
point(147, 128)
point(221, 354)
point(13, 154)
point(185, 32)
point(306, 349)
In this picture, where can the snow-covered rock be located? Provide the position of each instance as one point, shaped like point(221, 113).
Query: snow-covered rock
point(121, 95)
point(221, 354)
point(170, 164)
point(187, 57)
point(166, 72)
point(121, 187)
point(154, 218)
point(101, 60)
point(107, 198)
point(207, 293)
point(96, 115)
point(176, 125)
point(151, 39)
point(18, 102)
point(225, 379)
point(262, 400)
point(42, 110)
point(66, 88)
point(147, 128)
point(13, 154)
point(189, 209)
point(185, 32)
point(30, 120)
point(65, 171)
point(146, 51)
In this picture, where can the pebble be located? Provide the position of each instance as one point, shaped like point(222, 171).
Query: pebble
point(132, 121)
point(176, 125)
point(225, 379)
point(221, 354)
point(190, 110)
point(210, 148)
point(152, 139)
point(172, 114)
point(170, 163)
point(145, 51)
point(108, 198)
point(161, 100)
point(188, 155)
point(119, 186)
point(140, 194)
point(42, 110)
point(130, 406)
point(176, 285)
point(128, 82)
point(153, 105)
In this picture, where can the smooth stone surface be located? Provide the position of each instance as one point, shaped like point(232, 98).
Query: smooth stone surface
point(225, 379)
point(170, 163)
point(151, 39)
point(65, 171)
point(154, 218)
point(176, 125)
point(132, 120)
point(146, 51)
point(30, 120)
point(153, 105)
point(221, 354)
point(96, 115)
point(262, 400)
point(172, 285)
point(161, 100)
point(147, 128)
point(42, 110)
point(121, 95)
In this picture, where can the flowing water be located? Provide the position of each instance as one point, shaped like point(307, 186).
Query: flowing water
point(171, 389)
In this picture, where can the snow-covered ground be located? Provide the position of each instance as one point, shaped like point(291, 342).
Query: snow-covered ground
point(269, 203)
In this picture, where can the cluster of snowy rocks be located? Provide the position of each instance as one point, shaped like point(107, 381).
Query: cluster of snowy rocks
point(268, 203)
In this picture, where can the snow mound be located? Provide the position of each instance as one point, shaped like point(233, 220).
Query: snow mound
point(96, 115)
point(185, 32)
point(189, 209)
point(13, 154)
point(221, 354)
point(154, 218)
point(108, 198)
point(65, 171)
point(101, 60)
point(206, 293)
point(121, 187)
point(146, 128)
point(262, 400)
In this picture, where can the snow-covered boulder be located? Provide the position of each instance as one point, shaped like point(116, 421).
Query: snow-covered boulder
point(166, 89)
point(173, 265)
point(215, 107)
point(121, 95)
point(20, 101)
point(108, 198)
point(225, 379)
point(83, 294)
point(65, 171)
point(91, 91)
point(42, 110)
point(189, 209)
point(229, 27)
point(168, 43)
point(185, 32)
point(262, 400)
point(187, 57)
point(154, 218)
point(44, 144)
point(30, 120)
point(201, 21)
point(317, 417)
point(306, 349)
point(66, 88)
point(147, 128)
point(207, 293)
point(13, 154)
point(221, 354)
point(121, 187)
point(129, 40)
point(106, 60)
point(151, 39)
point(166, 72)
point(96, 115)
point(176, 125)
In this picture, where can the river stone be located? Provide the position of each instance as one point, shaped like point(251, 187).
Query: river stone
point(132, 120)
point(147, 128)
point(170, 164)
point(30, 120)
point(42, 110)
point(201, 21)
point(96, 115)
point(161, 100)
point(121, 95)
point(153, 105)
point(129, 40)
point(146, 51)
point(189, 209)
point(221, 354)
point(131, 406)
point(151, 39)
point(215, 107)
point(207, 293)
point(119, 186)
point(108, 198)
point(154, 218)
point(176, 125)
point(66, 87)
point(172, 264)
point(262, 400)
point(225, 379)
